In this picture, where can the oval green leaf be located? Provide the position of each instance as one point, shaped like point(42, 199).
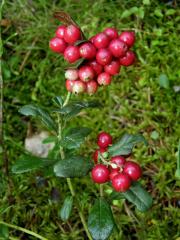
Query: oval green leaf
point(75, 137)
point(36, 111)
point(74, 166)
point(27, 163)
point(65, 211)
point(139, 197)
point(101, 221)
point(125, 145)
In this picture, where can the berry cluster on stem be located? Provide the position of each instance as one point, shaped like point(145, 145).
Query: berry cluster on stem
point(118, 170)
point(103, 55)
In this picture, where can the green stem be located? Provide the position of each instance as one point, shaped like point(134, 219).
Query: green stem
point(23, 230)
point(101, 190)
point(67, 99)
point(81, 215)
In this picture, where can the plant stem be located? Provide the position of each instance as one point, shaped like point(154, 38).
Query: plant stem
point(101, 190)
point(67, 99)
point(23, 230)
point(81, 215)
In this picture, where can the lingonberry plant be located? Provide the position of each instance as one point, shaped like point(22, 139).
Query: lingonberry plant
point(96, 60)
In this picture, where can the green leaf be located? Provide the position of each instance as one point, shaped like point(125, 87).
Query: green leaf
point(125, 145)
point(75, 166)
point(50, 139)
point(146, 2)
point(4, 232)
point(72, 109)
point(100, 220)
point(58, 101)
point(80, 41)
point(76, 64)
point(139, 197)
point(154, 135)
point(28, 163)
point(116, 196)
point(177, 174)
point(75, 137)
point(129, 12)
point(163, 81)
point(66, 208)
point(35, 111)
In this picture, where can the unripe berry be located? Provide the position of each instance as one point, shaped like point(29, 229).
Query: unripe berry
point(103, 56)
point(96, 154)
point(57, 45)
point(98, 68)
point(119, 161)
point(86, 73)
point(111, 33)
point(71, 74)
point(133, 170)
point(112, 68)
point(60, 31)
point(91, 87)
point(69, 85)
point(128, 38)
point(104, 79)
point(104, 140)
point(71, 54)
point(118, 48)
point(121, 182)
point(72, 34)
point(100, 174)
point(79, 87)
point(87, 50)
point(101, 40)
point(128, 59)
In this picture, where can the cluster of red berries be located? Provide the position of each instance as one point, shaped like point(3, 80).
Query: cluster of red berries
point(118, 170)
point(103, 56)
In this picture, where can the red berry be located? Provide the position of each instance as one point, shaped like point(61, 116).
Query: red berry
point(86, 73)
point(98, 68)
point(111, 33)
point(72, 34)
point(133, 170)
point(69, 85)
point(104, 79)
point(128, 59)
point(121, 182)
point(57, 45)
point(112, 68)
point(118, 48)
point(113, 173)
point(96, 153)
point(78, 87)
point(119, 161)
point(71, 74)
point(92, 39)
point(100, 173)
point(71, 54)
point(128, 38)
point(104, 140)
point(60, 31)
point(101, 40)
point(87, 50)
point(91, 87)
point(103, 56)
